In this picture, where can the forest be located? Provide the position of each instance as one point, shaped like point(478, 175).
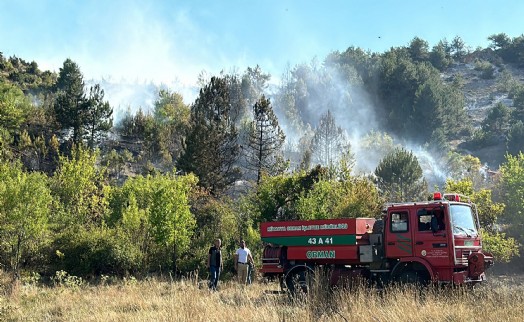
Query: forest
point(85, 194)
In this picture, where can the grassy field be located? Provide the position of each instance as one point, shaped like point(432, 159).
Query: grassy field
point(160, 300)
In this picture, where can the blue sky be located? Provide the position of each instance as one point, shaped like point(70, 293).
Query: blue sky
point(173, 41)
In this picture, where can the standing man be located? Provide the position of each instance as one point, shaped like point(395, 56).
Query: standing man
point(214, 264)
point(242, 260)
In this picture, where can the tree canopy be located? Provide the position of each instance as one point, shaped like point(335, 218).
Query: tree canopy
point(399, 177)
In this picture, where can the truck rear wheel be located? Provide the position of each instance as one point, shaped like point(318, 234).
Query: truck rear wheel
point(299, 281)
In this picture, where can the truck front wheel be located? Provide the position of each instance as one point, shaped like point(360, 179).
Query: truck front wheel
point(412, 277)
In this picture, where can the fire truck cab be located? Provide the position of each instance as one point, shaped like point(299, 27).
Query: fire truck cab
point(435, 241)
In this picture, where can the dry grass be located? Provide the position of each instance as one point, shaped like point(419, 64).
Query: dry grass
point(157, 300)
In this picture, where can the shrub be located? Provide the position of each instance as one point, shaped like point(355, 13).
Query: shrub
point(485, 68)
point(95, 251)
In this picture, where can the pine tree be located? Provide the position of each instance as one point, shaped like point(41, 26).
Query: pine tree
point(211, 149)
point(399, 177)
point(329, 141)
point(70, 101)
point(87, 116)
point(97, 118)
point(264, 151)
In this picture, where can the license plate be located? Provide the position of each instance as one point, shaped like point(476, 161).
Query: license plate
point(468, 243)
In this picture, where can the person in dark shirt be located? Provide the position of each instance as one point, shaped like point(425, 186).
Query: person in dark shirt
point(214, 264)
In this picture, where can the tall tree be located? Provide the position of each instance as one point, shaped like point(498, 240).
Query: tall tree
point(458, 48)
point(239, 107)
point(399, 177)
point(254, 84)
point(512, 193)
point(79, 185)
point(14, 111)
point(440, 55)
point(418, 49)
point(211, 149)
point(518, 101)
point(25, 206)
point(264, 151)
point(98, 114)
point(70, 101)
point(172, 118)
point(329, 141)
point(14, 108)
point(87, 116)
point(499, 41)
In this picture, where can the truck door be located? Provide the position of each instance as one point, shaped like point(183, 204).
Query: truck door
point(398, 234)
point(432, 245)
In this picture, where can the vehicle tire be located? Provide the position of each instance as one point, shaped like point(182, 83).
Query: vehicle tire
point(413, 277)
point(299, 281)
point(409, 277)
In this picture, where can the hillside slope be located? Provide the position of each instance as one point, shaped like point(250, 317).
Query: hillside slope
point(481, 95)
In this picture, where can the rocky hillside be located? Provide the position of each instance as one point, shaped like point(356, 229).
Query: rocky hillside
point(482, 92)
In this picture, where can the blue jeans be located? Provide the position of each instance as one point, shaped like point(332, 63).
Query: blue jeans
point(214, 275)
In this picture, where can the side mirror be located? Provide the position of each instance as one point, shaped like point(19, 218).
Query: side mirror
point(434, 224)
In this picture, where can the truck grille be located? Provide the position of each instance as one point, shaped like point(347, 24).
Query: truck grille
point(462, 256)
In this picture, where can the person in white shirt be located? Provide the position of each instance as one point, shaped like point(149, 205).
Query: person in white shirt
point(243, 258)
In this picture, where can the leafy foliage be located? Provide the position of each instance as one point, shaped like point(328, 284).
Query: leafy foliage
point(79, 186)
point(14, 107)
point(69, 104)
point(488, 210)
point(497, 120)
point(485, 68)
point(153, 213)
point(502, 247)
point(373, 148)
point(352, 198)
point(275, 197)
point(25, 75)
point(314, 196)
point(512, 192)
point(25, 208)
point(172, 120)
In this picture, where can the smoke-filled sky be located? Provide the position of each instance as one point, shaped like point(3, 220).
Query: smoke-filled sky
point(132, 46)
point(172, 41)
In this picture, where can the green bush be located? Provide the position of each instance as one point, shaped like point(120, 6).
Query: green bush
point(503, 248)
point(485, 68)
point(94, 252)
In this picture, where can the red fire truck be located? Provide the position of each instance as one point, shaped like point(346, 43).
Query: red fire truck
point(435, 241)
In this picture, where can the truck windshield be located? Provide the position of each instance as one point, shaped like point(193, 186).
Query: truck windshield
point(463, 220)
